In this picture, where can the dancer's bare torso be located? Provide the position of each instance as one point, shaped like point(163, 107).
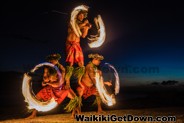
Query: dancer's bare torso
point(72, 37)
point(84, 27)
point(89, 76)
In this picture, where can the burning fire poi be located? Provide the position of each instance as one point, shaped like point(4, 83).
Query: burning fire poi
point(108, 99)
point(95, 40)
point(29, 96)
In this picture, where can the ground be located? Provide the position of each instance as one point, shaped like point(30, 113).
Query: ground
point(60, 118)
point(152, 100)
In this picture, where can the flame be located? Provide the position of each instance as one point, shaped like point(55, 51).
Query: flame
point(29, 96)
point(117, 83)
point(33, 103)
point(95, 40)
point(73, 18)
point(107, 99)
point(51, 65)
point(98, 39)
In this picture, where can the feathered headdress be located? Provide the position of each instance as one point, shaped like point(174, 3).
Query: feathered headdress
point(95, 56)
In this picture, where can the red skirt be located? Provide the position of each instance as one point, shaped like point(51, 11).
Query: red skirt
point(74, 52)
point(48, 92)
point(87, 91)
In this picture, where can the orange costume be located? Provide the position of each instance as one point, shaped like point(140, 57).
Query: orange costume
point(88, 91)
point(74, 52)
point(59, 93)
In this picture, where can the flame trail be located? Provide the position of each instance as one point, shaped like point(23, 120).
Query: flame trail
point(29, 96)
point(98, 39)
point(117, 83)
point(73, 18)
point(107, 98)
point(95, 40)
point(33, 103)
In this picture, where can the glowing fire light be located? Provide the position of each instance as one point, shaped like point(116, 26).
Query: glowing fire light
point(108, 99)
point(29, 96)
point(117, 84)
point(73, 18)
point(98, 40)
point(95, 40)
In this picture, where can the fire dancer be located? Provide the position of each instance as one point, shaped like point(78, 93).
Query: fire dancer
point(73, 49)
point(88, 81)
point(53, 88)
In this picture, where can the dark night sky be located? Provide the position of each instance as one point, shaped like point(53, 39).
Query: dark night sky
point(141, 34)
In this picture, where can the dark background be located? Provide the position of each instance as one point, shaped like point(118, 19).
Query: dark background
point(140, 34)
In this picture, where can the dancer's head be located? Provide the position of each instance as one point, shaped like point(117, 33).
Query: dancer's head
point(96, 58)
point(53, 58)
point(81, 15)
